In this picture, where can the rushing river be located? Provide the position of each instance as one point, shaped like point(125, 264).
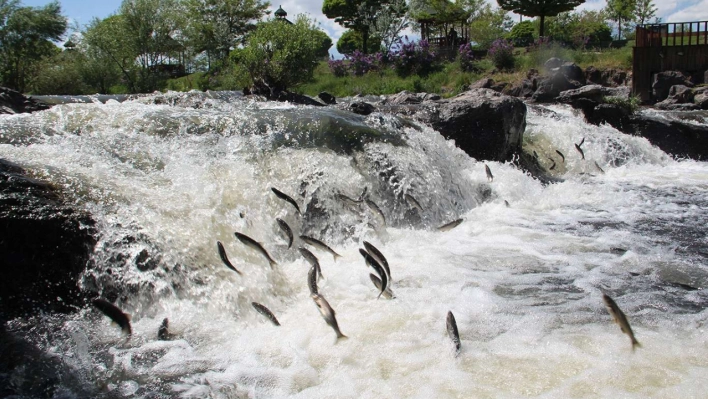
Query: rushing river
point(165, 182)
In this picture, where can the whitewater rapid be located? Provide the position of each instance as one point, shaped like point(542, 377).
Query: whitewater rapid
point(524, 281)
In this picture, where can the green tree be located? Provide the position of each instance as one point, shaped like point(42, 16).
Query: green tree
point(107, 43)
point(325, 44)
point(357, 15)
point(644, 11)
point(522, 33)
point(620, 11)
point(539, 8)
point(392, 20)
point(215, 27)
point(26, 35)
point(351, 40)
point(579, 28)
point(490, 24)
point(279, 55)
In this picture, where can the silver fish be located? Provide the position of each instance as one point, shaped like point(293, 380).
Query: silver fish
point(387, 293)
point(250, 242)
point(490, 177)
point(620, 319)
point(453, 333)
point(265, 312)
point(328, 314)
point(561, 154)
point(554, 164)
point(115, 314)
point(373, 251)
point(535, 155)
point(286, 229)
point(580, 150)
point(599, 168)
point(320, 245)
point(312, 280)
point(506, 203)
point(163, 333)
point(376, 210)
point(581, 142)
point(310, 257)
point(413, 202)
point(370, 261)
point(224, 258)
point(348, 200)
point(286, 197)
point(451, 225)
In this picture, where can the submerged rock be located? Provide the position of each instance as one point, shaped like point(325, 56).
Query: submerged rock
point(45, 245)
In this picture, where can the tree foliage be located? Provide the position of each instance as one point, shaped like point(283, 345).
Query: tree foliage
point(351, 41)
point(644, 11)
point(26, 35)
point(579, 28)
point(279, 55)
point(620, 11)
point(358, 15)
point(539, 8)
point(522, 33)
point(489, 25)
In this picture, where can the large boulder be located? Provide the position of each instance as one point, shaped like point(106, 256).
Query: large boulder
point(595, 93)
point(680, 97)
point(44, 246)
point(485, 124)
point(663, 81)
point(12, 102)
point(550, 87)
point(700, 97)
point(678, 138)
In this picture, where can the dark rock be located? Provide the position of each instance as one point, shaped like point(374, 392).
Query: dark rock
point(485, 124)
point(701, 99)
point(296, 98)
point(678, 138)
point(361, 108)
point(12, 102)
point(44, 245)
point(620, 78)
point(595, 93)
point(500, 87)
point(484, 83)
point(550, 87)
point(678, 95)
point(525, 89)
point(429, 96)
point(663, 82)
point(615, 115)
point(572, 72)
point(327, 98)
point(404, 97)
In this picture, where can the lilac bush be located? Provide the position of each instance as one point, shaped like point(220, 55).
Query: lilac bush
point(413, 57)
point(502, 54)
point(338, 67)
point(360, 63)
point(465, 57)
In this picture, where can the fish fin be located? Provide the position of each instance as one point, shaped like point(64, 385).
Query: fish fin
point(336, 256)
point(635, 344)
point(272, 262)
point(340, 336)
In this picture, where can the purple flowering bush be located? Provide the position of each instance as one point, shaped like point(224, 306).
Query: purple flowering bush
point(413, 58)
point(465, 57)
point(338, 67)
point(502, 54)
point(360, 63)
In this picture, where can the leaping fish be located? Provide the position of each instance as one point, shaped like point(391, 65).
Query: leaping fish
point(561, 154)
point(348, 200)
point(554, 164)
point(453, 333)
point(310, 257)
point(376, 210)
point(376, 254)
point(253, 244)
point(286, 229)
point(115, 314)
point(451, 225)
point(580, 150)
point(312, 280)
point(413, 202)
point(224, 258)
point(265, 312)
point(163, 333)
point(490, 177)
point(620, 319)
point(320, 245)
point(387, 293)
point(599, 168)
point(328, 314)
point(286, 197)
point(370, 261)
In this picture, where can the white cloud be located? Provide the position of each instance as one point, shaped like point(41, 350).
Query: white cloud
point(698, 11)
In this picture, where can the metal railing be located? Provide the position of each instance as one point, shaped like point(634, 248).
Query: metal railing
point(672, 34)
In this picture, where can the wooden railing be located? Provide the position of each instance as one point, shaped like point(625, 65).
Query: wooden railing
point(672, 34)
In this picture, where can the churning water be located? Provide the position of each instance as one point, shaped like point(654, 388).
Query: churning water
point(166, 181)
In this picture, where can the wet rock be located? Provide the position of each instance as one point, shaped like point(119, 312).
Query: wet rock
point(614, 115)
point(45, 245)
point(361, 108)
point(678, 95)
point(701, 98)
point(327, 98)
point(484, 83)
point(663, 81)
point(550, 87)
point(404, 97)
point(287, 96)
point(13, 102)
point(525, 89)
point(680, 139)
point(572, 72)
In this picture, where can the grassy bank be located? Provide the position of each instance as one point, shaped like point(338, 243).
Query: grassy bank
point(448, 79)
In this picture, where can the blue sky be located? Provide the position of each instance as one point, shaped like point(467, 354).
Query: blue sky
point(82, 11)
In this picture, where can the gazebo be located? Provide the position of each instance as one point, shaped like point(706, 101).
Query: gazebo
point(444, 25)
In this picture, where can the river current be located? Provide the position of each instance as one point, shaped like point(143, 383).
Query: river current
point(166, 181)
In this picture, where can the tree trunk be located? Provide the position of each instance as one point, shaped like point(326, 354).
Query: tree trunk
point(364, 40)
point(619, 29)
point(540, 33)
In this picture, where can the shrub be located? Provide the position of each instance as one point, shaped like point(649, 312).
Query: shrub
point(413, 58)
point(465, 57)
point(630, 104)
point(360, 63)
point(279, 55)
point(338, 67)
point(502, 54)
point(522, 34)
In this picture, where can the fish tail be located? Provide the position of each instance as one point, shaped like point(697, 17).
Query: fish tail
point(340, 336)
point(272, 263)
point(635, 344)
point(336, 256)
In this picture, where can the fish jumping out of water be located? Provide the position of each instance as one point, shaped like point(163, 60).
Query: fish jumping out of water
point(265, 312)
point(371, 261)
point(561, 154)
point(620, 319)
point(286, 197)
point(451, 225)
point(115, 314)
point(413, 202)
point(328, 314)
point(224, 258)
point(387, 293)
point(373, 251)
point(580, 150)
point(163, 333)
point(506, 203)
point(554, 164)
point(490, 176)
point(376, 210)
point(310, 257)
point(286, 229)
point(253, 244)
point(453, 333)
point(599, 168)
point(312, 280)
point(320, 245)
point(348, 200)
